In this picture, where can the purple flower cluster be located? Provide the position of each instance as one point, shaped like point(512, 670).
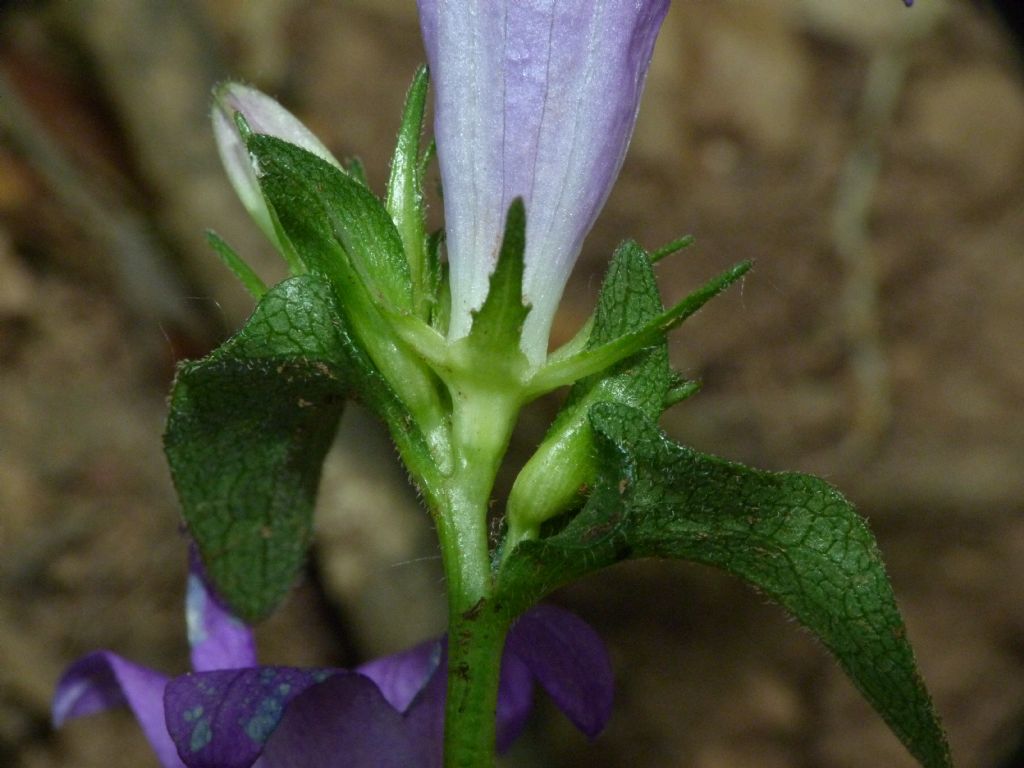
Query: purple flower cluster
point(230, 712)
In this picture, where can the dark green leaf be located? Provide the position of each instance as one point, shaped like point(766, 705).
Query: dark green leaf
point(792, 536)
point(328, 215)
point(628, 301)
point(248, 429)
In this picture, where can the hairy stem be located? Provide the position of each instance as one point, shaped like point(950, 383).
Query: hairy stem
point(481, 425)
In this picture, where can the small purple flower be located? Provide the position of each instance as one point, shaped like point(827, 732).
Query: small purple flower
point(534, 99)
point(232, 713)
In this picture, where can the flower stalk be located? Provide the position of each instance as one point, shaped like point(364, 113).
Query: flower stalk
point(476, 638)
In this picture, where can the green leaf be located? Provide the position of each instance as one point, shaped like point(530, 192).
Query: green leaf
point(792, 536)
point(565, 461)
point(342, 232)
point(498, 325)
point(328, 215)
point(248, 429)
point(404, 199)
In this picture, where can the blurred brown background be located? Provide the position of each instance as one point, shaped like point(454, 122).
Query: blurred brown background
point(870, 159)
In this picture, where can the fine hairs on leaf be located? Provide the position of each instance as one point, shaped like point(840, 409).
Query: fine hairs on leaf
point(792, 536)
point(248, 428)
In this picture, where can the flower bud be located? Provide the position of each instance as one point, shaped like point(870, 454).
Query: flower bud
point(554, 478)
point(263, 115)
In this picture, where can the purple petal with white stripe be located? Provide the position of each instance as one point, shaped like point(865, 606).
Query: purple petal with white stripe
point(217, 638)
point(103, 680)
point(534, 99)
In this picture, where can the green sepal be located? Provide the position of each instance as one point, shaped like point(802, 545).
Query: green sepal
point(404, 198)
point(498, 324)
point(341, 231)
point(565, 462)
point(328, 215)
point(355, 168)
point(566, 369)
point(672, 247)
point(271, 227)
point(241, 269)
point(792, 536)
point(437, 274)
point(247, 432)
point(681, 389)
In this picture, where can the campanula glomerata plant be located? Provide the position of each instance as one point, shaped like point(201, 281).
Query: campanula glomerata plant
point(445, 337)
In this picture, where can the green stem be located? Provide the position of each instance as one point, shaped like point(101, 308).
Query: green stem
point(476, 640)
point(481, 425)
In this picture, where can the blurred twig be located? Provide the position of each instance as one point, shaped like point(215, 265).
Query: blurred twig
point(860, 302)
point(157, 62)
point(28, 669)
point(138, 261)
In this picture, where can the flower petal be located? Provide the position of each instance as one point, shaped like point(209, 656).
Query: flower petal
point(222, 719)
point(342, 721)
point(218, 639)
point(401, 676)
point(415, 681)
point(515, 700)
point(264, 115)
point(568, 658)
point(424, 719)
point(103, 680)
point(464, 45)
point(533, 98)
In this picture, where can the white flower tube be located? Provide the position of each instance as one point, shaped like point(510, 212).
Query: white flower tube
point(534, 99)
